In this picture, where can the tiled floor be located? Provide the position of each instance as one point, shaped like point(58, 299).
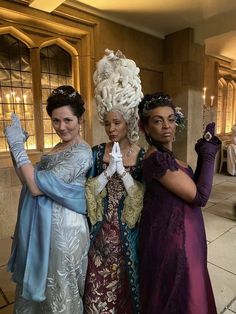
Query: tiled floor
point(220, 223)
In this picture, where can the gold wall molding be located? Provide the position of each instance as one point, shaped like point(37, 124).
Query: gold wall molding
point(22, 36)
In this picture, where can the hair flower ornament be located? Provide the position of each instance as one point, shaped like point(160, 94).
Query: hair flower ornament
point(180, 119)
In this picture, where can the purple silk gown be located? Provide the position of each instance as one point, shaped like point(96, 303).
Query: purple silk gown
point(173, 250)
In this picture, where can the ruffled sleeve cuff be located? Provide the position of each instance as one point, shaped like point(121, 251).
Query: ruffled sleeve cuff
point(94, 202)
point(133, 205)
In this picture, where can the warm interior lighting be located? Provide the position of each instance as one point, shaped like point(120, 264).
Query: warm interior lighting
point(204, 97)
point(212, 100)
point(207, 108)
point(10, 103)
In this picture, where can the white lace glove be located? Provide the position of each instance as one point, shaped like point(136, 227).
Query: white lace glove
point(105, 176)
point(125, 176)
point(16, 138)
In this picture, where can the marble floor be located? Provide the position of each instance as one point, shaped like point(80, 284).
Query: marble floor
point(220, 222)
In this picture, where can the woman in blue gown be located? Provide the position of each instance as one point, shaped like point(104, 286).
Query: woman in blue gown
point(51, 241)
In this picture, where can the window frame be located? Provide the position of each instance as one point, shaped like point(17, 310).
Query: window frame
point(226, 115)
point(75, 43)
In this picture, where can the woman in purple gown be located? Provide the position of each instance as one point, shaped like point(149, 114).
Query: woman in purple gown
point(173, 251)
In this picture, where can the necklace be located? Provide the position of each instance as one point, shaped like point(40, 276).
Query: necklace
point(129, 152)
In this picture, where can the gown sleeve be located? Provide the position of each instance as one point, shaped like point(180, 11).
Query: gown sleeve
point(133, 205)
point(156, 165)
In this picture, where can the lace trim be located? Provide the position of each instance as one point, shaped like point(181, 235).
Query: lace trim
point(133, 205)
point(94, 202)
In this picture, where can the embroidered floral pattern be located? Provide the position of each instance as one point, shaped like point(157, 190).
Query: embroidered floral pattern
point(69, 241)
point(112, 283)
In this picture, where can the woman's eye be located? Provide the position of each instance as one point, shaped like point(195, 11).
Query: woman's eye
point(158, 121)
point(172, 120)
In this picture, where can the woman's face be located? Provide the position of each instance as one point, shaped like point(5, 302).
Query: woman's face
point(115, 126)
point(65, 123)
point(161, 125)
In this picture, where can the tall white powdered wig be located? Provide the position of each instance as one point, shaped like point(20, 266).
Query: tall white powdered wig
point(118, 88)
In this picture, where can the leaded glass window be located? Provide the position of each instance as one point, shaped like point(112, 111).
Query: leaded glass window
point(226, 107)
point(56, 69)
point(15, 88)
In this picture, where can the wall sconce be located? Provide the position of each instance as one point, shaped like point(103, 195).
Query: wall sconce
point(207, 106)
point(211, 98)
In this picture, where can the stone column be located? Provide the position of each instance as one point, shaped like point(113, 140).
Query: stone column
point(184, 81)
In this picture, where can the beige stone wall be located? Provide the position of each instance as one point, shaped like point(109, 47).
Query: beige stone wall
point(9, 195)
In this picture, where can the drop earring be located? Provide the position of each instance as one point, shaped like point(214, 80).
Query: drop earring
point(150, 140)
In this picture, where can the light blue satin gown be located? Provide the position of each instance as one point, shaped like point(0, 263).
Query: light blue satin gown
point(69, 240)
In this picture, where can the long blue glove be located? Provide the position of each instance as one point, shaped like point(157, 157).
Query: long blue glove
point(16, 138)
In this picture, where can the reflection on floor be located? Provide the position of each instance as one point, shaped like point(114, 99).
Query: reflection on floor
point(220, 223)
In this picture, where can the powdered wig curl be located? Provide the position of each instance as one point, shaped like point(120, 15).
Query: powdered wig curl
point(118, 88)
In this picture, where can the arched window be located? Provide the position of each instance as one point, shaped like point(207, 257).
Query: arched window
point(229, 107)
point(221, 84)
point(15, 87)
point(56, 69)
point(24, 89)
point(226, 106)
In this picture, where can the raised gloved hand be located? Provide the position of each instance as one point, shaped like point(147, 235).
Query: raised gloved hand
point(125, 176)
point(209, 143)
point(16, 138)
point(114, 158)
point(206, 149)
point(25, 135)
point(119, 164)
point(105, 176)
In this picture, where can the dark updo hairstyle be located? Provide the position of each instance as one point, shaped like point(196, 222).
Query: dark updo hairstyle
point(65, 95)
point(149, 102)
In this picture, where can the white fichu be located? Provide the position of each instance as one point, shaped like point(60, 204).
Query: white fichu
point(118, 88)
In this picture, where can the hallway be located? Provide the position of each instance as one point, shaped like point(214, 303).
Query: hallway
point(220, 223)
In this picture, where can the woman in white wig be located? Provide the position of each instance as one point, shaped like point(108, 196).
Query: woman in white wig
point(114, 190)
